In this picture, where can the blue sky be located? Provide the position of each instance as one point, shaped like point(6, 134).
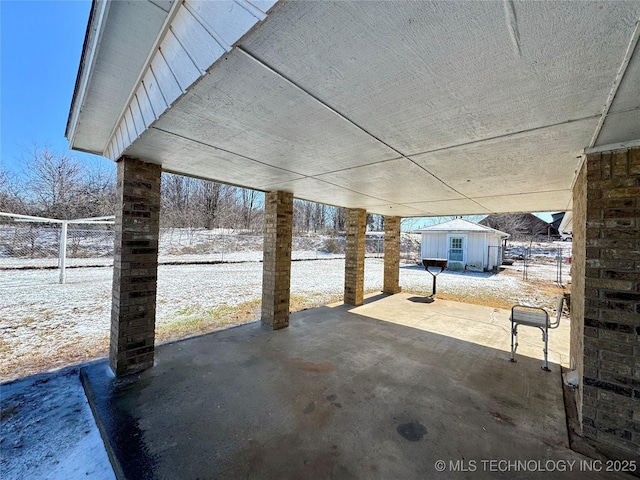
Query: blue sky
point(41, 43)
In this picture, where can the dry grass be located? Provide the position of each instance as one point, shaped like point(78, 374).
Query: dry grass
point(192, 321)
point(37, 362)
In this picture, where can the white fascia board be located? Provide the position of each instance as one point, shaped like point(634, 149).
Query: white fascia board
point(92, 45)
point(175, 6)
point(224, 27)
point(613, 147)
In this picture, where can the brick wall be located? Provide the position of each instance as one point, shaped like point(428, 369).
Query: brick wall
point(578, 262)
point(611, 393)
point(391, 255)
point(354, 256)
point(133, 314)
point(276, 269)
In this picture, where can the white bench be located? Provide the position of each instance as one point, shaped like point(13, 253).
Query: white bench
point(533, 317)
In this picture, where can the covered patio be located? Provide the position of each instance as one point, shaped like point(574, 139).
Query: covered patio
point(383, 390)
point(395, 108)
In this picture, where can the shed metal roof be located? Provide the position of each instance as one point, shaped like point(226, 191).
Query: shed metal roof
point(460, 225)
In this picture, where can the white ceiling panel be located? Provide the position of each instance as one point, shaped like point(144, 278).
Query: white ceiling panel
point(247, 109)
point(318, 191)
point(462, 206)
point(393, 209)
point(528, 202)
point(540, 160)
point(425, 75)
point(177, 154)
point(628, 94)
point(398, 181)
point(400, 107)
point(620, 127)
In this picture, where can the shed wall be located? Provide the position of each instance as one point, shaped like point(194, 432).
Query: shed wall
point(436, 245)
point(476, 251)
point(494, 251)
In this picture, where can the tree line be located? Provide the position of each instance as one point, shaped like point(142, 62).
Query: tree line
point(60, 186)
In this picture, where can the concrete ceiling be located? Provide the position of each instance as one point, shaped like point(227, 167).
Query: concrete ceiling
point(411, 109)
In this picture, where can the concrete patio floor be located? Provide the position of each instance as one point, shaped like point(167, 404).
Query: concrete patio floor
point(384, 390)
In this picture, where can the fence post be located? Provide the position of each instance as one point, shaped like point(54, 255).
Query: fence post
point(62, 258)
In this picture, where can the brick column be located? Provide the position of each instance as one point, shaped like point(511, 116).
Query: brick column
point(354, 256)
point(135, 265)
point(578, 264)
point(610, 318)
point(276, 269)
point(391, 255)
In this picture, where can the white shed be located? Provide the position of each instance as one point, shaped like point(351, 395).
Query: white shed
point(466, 245)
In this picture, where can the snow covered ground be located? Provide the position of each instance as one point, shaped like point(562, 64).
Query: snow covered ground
point(48, 431)
point(46, 325)
point(47, 428)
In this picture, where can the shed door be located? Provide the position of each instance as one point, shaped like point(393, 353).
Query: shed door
point(456, 249)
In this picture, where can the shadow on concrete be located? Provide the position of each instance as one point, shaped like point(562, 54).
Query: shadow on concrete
point(421, 299)
point(374, 298)
point(336, 395)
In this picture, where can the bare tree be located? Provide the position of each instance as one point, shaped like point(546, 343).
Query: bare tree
point(10, 199)
point(519, 226)
point(210, 196)
point(99, 190)
point(249, 202)
point(53, 182)
point(339, 219)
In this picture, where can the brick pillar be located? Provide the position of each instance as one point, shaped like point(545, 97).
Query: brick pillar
point(276, 269)
point(354, 256)
point(578, 264)
point(135, 266)
point(391, 255)
point(610, 403)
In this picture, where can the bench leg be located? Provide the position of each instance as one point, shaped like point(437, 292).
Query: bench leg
point(545, 339)
point(514, 337)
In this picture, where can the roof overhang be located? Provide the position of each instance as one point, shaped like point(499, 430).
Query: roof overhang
point(401, 108)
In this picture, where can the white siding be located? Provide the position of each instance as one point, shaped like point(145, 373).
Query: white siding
point(200, 33)
point(495, 252)
point(131, 125)
point(476, 252)
point(145, 106)
point(434, 245)
point(152, 88)
point(138, 120)
point(196, 40)
point(478, 255)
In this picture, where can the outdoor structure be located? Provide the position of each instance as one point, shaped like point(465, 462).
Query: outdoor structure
point(465, 245)
point(520, 225)
point(395, 108)
point(566, 226)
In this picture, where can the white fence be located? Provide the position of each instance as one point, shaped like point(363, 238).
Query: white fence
point(34, 242)
point(38, 242)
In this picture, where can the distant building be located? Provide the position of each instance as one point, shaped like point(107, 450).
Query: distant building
point(465, 245)
point(520, 225)
point(556, 220)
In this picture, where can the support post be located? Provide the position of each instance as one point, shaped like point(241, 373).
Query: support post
point(391, 255)
point(276, 267)
point(354, 256)
point(135, 266)
point(62, 257)
point(605, 301)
